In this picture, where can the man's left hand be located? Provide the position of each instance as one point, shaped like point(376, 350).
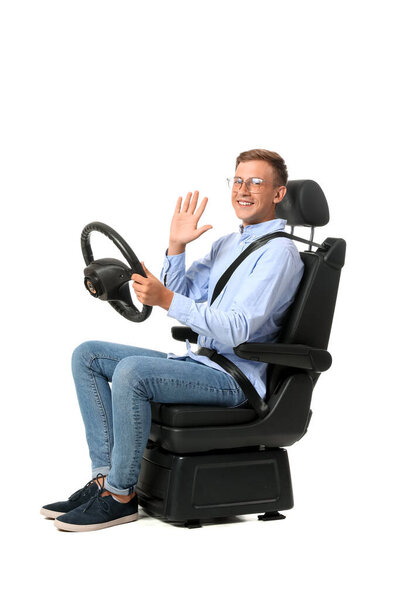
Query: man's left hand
point(150, 291)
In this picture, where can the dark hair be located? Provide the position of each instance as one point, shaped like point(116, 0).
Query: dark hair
point(273, 158)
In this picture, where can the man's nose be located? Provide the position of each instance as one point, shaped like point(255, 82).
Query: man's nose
point(243, 190)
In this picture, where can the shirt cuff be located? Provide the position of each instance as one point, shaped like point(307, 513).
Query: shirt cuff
point(180, 307)
point(175, 261)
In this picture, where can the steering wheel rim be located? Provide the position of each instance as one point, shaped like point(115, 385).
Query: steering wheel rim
point(123, 304)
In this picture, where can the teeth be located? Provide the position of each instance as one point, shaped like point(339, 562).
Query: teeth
point(245, 203)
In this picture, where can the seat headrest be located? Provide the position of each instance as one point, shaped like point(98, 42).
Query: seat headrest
point(304, 204)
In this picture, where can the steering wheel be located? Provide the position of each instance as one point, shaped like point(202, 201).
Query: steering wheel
point(109, 278)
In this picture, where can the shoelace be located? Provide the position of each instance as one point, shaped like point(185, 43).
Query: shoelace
point(83, 491)
point(97, 498)
point(100, 501)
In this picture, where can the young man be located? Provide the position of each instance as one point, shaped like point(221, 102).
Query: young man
point(250, 308)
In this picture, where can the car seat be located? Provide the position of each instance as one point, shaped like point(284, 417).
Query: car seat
point(203, 462)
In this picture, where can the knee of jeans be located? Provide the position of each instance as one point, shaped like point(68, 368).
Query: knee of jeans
point(128, 373)
point(126, 369)
point(82, 354)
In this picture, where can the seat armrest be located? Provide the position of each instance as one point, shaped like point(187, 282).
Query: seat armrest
point(184, 333)
point(290, 355)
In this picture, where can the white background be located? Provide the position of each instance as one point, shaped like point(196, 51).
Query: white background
point(109, 112)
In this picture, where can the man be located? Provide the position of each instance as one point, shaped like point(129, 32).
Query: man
point(251, 307)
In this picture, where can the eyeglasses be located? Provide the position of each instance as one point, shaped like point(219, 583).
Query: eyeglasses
point(255, 185)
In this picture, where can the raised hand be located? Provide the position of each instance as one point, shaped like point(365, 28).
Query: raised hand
point(184, 222)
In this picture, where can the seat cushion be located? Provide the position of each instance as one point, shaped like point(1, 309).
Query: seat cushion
point(194, 415)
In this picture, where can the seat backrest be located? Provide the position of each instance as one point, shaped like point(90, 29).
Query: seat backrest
point(309, 319)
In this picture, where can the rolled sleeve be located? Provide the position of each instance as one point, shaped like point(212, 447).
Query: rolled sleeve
point(173, 268)
point(192, 283)
point(229, 327)
point(180, 308)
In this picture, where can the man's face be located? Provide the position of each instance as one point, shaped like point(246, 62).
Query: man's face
point(262, 203)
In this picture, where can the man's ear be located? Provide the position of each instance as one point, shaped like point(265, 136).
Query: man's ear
point(280, 194)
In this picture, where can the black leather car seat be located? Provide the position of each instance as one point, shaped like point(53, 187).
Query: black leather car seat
point(206, 462)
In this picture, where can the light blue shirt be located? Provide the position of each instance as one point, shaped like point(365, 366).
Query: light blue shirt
point(252, 305)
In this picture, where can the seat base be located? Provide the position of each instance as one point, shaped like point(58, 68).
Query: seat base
point(197, 487)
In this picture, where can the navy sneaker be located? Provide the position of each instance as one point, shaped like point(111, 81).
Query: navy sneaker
point(56, 509)
point(98, 513)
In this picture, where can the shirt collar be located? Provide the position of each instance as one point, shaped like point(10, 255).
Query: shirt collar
point(259, 229)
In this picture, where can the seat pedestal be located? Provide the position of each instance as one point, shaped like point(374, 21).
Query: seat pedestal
point(194, 487)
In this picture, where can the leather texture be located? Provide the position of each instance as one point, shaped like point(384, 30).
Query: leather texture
point(192, 415)
point(304, 204)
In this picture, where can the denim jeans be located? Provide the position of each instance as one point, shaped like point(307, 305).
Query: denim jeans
point(117, 418)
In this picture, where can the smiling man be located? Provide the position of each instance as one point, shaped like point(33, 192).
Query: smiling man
point(257, 187)
point(250, 308)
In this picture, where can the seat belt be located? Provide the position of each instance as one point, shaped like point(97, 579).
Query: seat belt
point(248, 389)
point(254, 246)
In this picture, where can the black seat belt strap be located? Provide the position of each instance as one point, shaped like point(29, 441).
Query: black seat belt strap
point(248, 389)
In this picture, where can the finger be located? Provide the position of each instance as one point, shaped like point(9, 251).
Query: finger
point(137, 285)
point(202, 207)
point(193, 203)
point(147, 272)
point(187, 202)
point(203, 229)
point(178, 205)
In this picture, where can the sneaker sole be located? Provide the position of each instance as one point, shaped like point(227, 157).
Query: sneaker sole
point(50, 514)
point(93, 527)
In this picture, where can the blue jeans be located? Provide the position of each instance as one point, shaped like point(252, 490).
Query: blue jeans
point(118, 420)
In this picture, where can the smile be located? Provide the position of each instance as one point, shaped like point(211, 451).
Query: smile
point(242, 203)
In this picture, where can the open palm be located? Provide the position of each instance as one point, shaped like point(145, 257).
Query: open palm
point(185, 219)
